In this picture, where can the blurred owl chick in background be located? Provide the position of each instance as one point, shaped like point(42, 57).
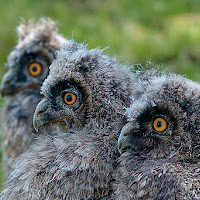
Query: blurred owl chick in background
point(84, 95)
point(28, 66)
point(160, 145)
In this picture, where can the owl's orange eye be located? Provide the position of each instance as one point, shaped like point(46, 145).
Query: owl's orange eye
point(70, 98)
point(35, 69)
point(160, 124)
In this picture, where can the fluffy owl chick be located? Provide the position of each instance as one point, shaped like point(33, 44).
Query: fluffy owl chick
point(160, 143)
point(28, 66)
point(84, 95)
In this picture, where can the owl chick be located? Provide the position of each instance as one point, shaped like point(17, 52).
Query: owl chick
point(84, 98)
point(28, 66)
point(160, 143)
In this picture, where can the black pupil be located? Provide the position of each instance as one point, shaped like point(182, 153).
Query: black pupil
point(159, 124)
point(34, 68)
point(69, 97)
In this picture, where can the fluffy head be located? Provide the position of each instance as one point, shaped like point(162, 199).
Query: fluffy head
point(160, 144)
point(45, 31)
point(93, 79)
point(170, 99)
point(28, 66)
point(37, 43)
point(79, 163)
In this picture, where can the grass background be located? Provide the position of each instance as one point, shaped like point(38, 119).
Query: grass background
point(167, 32)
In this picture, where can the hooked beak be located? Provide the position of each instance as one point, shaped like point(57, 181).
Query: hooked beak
point(10, 85)
point(41, 117)
point(125, 139)
point(7, 88)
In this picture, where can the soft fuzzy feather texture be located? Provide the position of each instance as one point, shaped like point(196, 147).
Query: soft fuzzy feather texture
point(161, 165)
point(77, 164)
point(36, 43)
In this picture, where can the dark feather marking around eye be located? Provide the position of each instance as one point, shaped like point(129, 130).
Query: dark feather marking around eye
point(57, 90)
point(145, 119)
point(34, 55)
point(25, 59)
point(63, 85)
point(20, 77)
point(151, 112)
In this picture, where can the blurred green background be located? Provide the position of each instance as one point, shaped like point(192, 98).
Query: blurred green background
point(167, 32)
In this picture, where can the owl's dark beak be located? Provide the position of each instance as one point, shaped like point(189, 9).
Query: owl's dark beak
point(41, 117)
point(7, 86)
point(125, 141)
point(11, 84)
